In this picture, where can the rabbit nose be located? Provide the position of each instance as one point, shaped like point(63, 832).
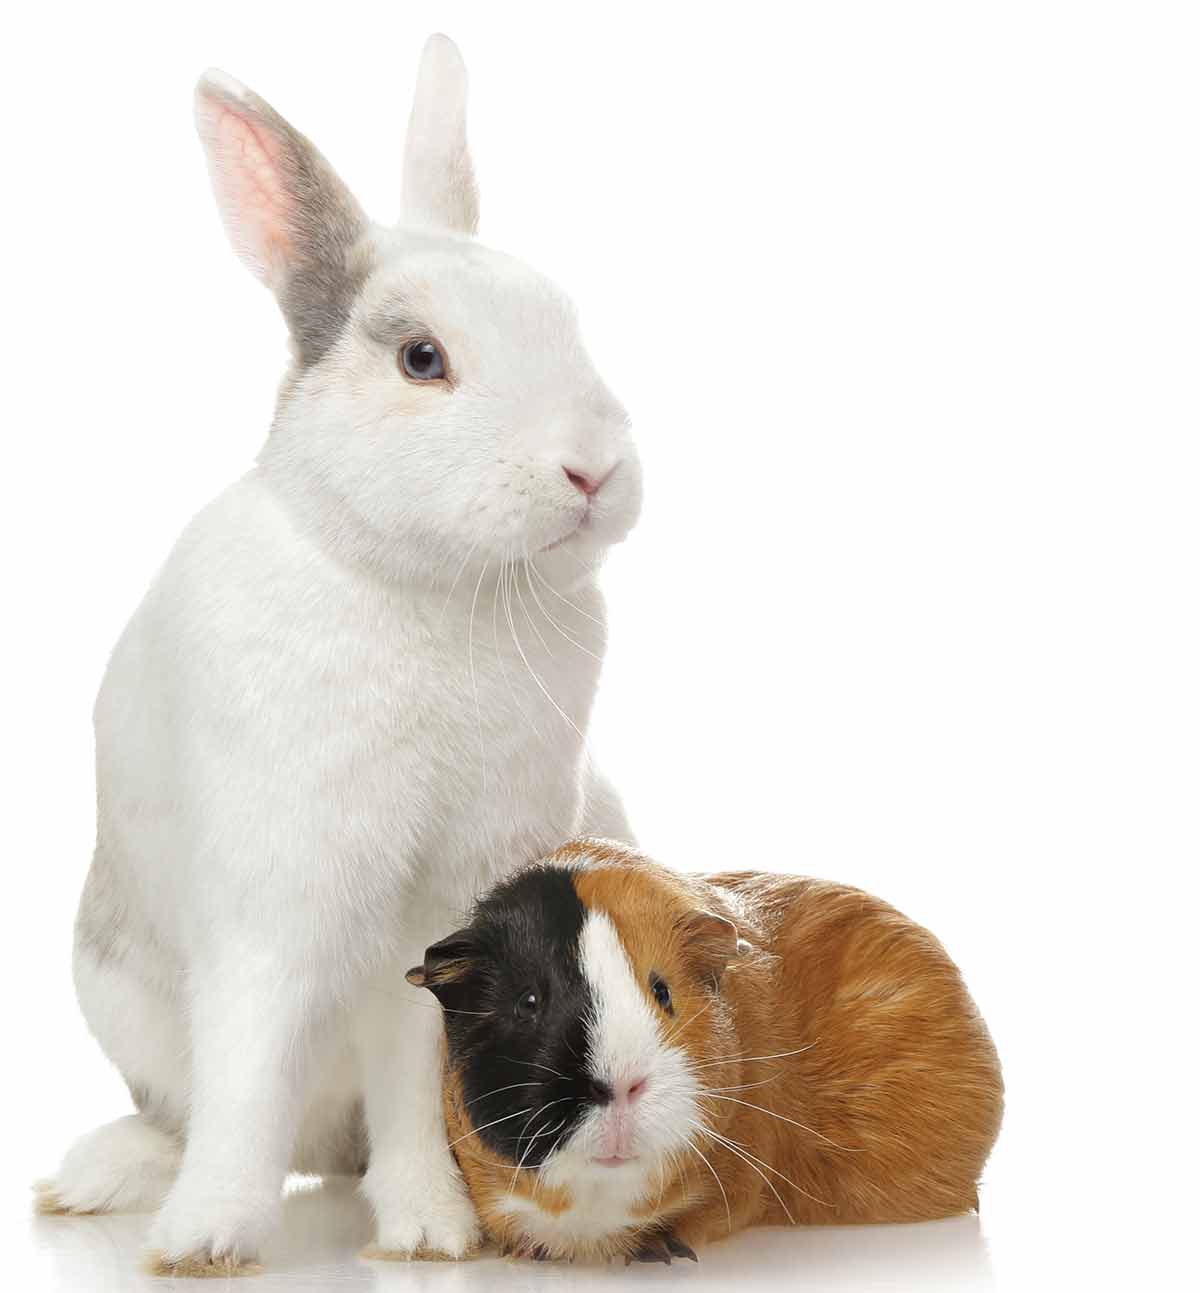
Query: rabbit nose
point(585, 483)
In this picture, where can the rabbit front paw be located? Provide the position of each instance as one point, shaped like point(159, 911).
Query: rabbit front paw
point(436, 1222)
point(212, 1236)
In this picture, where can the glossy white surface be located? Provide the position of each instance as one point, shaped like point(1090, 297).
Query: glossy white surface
point(1042, 1227)
point(324, 1229)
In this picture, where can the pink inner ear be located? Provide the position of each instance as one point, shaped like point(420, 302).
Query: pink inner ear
point(246, 176)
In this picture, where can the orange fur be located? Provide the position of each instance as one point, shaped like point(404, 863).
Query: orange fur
point(885, 1095)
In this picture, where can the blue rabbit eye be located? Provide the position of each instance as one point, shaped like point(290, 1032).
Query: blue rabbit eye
point(423, 361)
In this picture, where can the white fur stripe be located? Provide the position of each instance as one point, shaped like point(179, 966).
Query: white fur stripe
point(623, 1037)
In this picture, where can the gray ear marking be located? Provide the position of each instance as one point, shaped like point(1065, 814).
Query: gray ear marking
point(439, 190)
point(288, 215)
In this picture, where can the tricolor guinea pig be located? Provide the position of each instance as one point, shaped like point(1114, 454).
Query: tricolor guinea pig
point(640, 1062)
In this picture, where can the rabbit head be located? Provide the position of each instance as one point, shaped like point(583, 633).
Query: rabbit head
point(440, 410)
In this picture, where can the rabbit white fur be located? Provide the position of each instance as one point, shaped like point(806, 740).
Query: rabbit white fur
point(354, 696)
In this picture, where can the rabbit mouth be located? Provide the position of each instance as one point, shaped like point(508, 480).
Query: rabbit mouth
point(566, 538)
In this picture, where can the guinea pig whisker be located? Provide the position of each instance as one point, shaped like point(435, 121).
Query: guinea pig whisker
point(396, 999)
point(498, 1091)
point(743, 1086)
point(747, 1158)
point(539, 1133)
point(532, 1065)
point(737, 1145)
point(537, 1114)
point(521, 1160)
point(543, 1132)
point(680, 1027)
point(750, 1059)
point(700, 1154)
point(475, 1130)
point(772, 1114)
point(545, 1163)
point(548, 1105)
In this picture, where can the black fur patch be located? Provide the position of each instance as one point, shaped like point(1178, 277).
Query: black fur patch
point(524, 1077)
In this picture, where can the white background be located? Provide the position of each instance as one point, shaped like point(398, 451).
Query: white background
point(905, 301)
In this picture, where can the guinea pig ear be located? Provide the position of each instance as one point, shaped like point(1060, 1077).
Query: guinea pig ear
point(439, 181)
point(446, 963)
point(292, 222)
point(712, 940)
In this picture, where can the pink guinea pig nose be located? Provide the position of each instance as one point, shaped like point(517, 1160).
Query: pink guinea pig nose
point(627, 1092)
point(587, 483)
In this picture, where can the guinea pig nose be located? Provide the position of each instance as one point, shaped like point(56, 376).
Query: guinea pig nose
point(586, 484)
point(599, 1092)
point(628, 1092)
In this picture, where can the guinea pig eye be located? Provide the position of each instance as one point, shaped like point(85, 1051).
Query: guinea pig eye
point(423, 361)
point(662, 994)
point(527, 1005)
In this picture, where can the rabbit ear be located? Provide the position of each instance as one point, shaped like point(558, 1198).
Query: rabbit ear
point(288, 216)
point(439, 181)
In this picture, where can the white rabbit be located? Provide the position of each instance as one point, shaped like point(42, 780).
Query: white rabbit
point(353, 697)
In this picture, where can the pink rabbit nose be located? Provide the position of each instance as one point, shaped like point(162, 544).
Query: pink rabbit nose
point(585, 484)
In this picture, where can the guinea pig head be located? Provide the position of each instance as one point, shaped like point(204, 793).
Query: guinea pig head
point(581, 1004)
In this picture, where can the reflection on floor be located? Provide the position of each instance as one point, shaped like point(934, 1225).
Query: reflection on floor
point(326, 1225)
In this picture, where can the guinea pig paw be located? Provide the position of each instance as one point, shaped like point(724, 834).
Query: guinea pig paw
point(661, 1248)
point(652, 1250)
point(680, 1249)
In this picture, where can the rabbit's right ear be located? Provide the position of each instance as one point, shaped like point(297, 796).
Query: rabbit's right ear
point(439, 181)
point(290, 219)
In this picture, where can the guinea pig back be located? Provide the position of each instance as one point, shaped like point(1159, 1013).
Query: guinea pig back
point(640, 1062)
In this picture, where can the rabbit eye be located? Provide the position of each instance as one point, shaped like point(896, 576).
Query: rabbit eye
point(423, 361)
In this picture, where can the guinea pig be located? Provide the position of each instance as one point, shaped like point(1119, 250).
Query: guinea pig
point(640, 1062)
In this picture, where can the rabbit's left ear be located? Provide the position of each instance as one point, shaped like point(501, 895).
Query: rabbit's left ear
point(439, 181)
point(290, 219)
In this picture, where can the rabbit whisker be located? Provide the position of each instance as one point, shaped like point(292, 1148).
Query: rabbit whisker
point(457, 577)
point(496, 597)
point(541, 686)
point(516, 584)
point(550, 618)
point(565, 600)
point(474, 679)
